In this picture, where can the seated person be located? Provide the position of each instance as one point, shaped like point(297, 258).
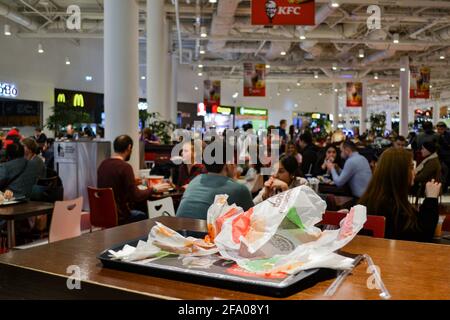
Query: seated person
point(400, 142)
point(331, 154)
point(117, 174)
point(201, 192)
point(283, 179)
point(19, 175)
point(356, 171)
point(48, 152)
point(428, 169)
point(291, 150)
point(387, 195)
point(309, 153)
point(31, 153)
point(189, 169)
point(149, 137)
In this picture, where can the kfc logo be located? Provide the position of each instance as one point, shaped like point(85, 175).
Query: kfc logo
point(283, 12)
point(271, 10)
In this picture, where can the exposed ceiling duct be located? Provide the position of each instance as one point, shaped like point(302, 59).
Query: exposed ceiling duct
point(311, 47)
point(17, 17)
point(222, 23)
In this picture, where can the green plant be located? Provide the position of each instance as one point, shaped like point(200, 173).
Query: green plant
point(378, 123)
point(161, 128)
point(64, 115)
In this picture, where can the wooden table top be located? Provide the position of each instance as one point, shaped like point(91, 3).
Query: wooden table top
point(409, 270)
point(25, 210)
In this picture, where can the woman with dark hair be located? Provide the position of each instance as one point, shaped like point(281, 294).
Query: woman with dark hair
point(284, 178)
point(330, 154)
point(387, 195)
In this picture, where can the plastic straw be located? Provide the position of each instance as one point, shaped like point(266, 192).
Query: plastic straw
point(340, 279)
point(380, 284)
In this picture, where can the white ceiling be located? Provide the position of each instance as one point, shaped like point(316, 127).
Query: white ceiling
point(423, 26)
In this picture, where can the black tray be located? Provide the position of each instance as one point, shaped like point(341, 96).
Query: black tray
point(171, 267)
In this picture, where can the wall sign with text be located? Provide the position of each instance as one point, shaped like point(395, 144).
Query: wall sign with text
point(8, 90)
point(283, 12)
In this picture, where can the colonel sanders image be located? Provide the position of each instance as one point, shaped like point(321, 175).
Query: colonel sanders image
point(271, 9)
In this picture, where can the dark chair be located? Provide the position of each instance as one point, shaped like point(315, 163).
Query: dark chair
point(48, 190)
point(103, 208)
point(374, 224)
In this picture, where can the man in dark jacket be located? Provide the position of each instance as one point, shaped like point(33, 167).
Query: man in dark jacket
point(309, 153)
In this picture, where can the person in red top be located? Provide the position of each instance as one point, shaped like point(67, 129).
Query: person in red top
point(189, 169)
point(118, 174)
point(13, 136)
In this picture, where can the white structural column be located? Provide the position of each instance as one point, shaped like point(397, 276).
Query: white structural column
point(121, 65)
point(348, 121)
point(156, 55)
point(404, 96)
point(363, 114)
point(335, 107)
point(436, 112)
point(388, 119)
point(174, 90)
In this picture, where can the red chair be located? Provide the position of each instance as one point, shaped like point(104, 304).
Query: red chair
point(103, 208)
point(375, 224)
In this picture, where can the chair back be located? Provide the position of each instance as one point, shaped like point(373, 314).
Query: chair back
point(103, 208)
point(163, 207)
point(375, 224)
point(66, 219)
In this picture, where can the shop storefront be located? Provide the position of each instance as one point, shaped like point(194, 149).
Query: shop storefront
point(318, 123)
point(257, 117)
point(89, 103)
point(16, 112)
point(217, 117)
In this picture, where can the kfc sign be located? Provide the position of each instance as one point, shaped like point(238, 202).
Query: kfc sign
point(283, 12)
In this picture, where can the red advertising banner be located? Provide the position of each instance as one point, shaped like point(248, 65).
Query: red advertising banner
point(254, 79)
point(354, 94)
point(283, 12)
point(419, 83)
point(211, 93)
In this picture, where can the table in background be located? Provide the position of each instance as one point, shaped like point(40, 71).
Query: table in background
point(20, 211)
point(409, 270)
point(333, 189)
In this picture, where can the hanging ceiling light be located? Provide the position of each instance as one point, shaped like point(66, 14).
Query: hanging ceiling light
point(375, 76)
point(336, 90)
point(361, 53)
point(235, 95)
point(212, 1)
point(203, 32)
point(283, 53)
point(288, 89)
point(302, 35)
point(278, 93)
point(202, 50)
point(7, 30)
point(40, 48)
point(143, 77)
point(267, 66)
point(196, 88)
point(316, 75)
point(334, 67)
point(88, 78)
point(298, 84)
point(442, 56)
point(396, 38)
point(200, 74)
point(67, 61)
point(402, 69)
point(334, 3)
point(200, 66)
